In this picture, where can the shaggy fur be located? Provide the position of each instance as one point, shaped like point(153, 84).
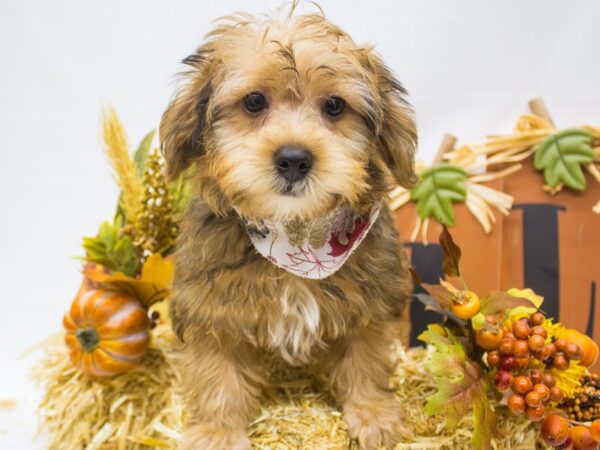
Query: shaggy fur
point(232, 307)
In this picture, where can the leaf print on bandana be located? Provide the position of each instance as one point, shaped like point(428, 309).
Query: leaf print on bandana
point(314, 249)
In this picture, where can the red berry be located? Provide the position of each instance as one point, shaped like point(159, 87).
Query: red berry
point(523, 362)
point(516, 404)
point(508, 363)
point(548, 380)
point(537, 319)
point(536, 343)
point(521, 385)
point(543, 390)
point(521, 329)
point(520, 348)
point(540, 331)
point(537, 413)
point(573, 351)
point(561, 362)
point(551, 348)
point(493, 358)
point(556, 394)
point(533, 399)
point(561, 345)
point(536, 375)
point(545, 353)
point(503, 379)
point(506, 346)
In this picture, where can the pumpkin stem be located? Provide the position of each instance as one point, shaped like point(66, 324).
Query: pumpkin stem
point(88, 338)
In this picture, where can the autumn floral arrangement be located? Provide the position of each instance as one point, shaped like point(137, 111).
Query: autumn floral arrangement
point(497, 372)
point(502, 351)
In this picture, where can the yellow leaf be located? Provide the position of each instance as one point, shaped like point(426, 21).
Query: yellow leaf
point(152, 286)
point(158, 270)
point(515, 314)
point(528, 294)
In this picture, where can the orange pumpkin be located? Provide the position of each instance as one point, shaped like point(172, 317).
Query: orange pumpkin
point(107, 332)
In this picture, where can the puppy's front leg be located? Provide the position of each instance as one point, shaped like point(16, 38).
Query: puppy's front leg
point(221, 385)
point(359, 380)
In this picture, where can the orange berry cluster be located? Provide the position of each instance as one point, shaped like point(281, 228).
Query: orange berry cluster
point(511, 351)
point(557, 432)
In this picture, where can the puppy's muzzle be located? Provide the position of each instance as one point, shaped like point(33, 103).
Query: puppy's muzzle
point(293, 163)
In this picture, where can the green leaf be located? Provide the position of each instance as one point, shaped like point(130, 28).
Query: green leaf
point(561, 157)
point(438, 188)
point(112, 249)
point(461, 386)
point(478, 321)
point(140, 155)
point(452, 254)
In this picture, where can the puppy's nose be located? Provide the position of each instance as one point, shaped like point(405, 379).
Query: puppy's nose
point(293, 163)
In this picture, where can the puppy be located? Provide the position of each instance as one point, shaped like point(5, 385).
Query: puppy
point(291, 135)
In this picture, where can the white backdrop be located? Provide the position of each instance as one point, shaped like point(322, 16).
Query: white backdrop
point(469, 66)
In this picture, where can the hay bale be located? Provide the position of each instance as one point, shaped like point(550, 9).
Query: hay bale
point(141, 410)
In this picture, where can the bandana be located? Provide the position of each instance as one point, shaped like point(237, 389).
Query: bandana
point(313, 248)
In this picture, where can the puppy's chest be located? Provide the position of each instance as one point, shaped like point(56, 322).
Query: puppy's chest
point(294, 327)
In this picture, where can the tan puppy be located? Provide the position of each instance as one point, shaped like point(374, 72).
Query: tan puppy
point(286, 121)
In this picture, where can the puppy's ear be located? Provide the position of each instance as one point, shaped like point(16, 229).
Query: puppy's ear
point(395, 127)
point(183, 123)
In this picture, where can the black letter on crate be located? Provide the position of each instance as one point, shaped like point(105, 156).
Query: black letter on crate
point(427, 260)
point(540, 252)
point(590, 325)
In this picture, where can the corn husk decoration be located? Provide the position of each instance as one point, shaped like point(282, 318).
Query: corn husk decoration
point(457, 180)
point(458, 174)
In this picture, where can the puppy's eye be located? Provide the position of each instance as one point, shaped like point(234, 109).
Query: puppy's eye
point(254, 103)
point(334, 106)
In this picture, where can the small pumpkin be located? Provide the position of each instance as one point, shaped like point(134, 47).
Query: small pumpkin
point(107, 332)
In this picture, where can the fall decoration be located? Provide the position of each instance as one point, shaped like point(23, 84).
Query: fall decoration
point(116, 147)
point(437, 189)
point(107, 332)
point(456, 181)
point(156, 223)
point(500, 351)
point(457, 175)
point(561, 157)
point(498, 372)
point(141, 409)
point(128, 267)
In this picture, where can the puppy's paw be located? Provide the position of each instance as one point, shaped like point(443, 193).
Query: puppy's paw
point(208, 436)
point(373, 424)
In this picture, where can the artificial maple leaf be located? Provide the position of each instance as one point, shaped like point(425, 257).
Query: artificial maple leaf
point(562, 156)
point(440, 298)
point(152, 286)
point(461, 386)
point(498, 301)
point(438, 188)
